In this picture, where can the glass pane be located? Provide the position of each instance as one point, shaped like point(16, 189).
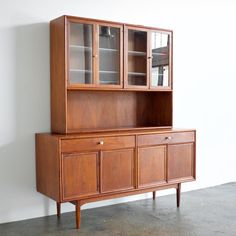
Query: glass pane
point(137, 57)
point(80, 53)
point(109, 55)
point(160, 59)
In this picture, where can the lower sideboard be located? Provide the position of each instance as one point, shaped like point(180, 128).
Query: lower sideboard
point(90, 167)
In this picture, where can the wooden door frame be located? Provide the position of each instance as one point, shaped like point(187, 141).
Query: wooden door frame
point(67, 40)
point(154, 184)
point(170, 73)
point(63, 155)
point(121, 40)
point(126, 84)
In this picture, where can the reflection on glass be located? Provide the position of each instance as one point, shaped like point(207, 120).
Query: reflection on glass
point(160, 59)
point(80, 53)
point(137, 57)
point(109, 55)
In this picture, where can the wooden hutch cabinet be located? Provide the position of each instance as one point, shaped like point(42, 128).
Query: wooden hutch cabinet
point(111, 115)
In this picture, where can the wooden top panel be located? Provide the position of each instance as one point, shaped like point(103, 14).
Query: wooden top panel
point(76, 18)
point(118, 133)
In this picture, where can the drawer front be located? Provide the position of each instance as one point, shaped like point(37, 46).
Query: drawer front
point(101, 143)
point(167, 138)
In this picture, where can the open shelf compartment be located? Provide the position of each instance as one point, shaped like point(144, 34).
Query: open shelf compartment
point(117, 110)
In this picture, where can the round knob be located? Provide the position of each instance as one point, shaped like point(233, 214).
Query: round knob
point(95, 55)
point(101, 142)
point(168, 138)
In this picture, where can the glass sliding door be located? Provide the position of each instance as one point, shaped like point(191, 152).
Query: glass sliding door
point(136, 57)
point(160, 63)
point(80, 52)
point(109, 49)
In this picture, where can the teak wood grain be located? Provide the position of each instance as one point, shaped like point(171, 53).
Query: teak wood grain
point(152, 166)
point(80, 174)
point(101, 143)
point(58, 55)
point(97, 110)
point(110, 141)
point(75, 107)
point(70, 170)
point(155, 139)
point(181, 162)
point(48, 166)
point(117, 170)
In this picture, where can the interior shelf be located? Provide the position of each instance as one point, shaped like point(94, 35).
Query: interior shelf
point(108, 49)
point(108, 72)
point(129, 129)
point(137, 53)
point(101, 71)
point(108, 82)
point(136, 74)
point(80, 71)
point(159, 53)
point(78, 47)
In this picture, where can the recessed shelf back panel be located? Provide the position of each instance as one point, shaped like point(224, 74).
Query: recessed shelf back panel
point(94, 110)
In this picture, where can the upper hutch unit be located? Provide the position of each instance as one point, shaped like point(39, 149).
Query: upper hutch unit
point(109, 76)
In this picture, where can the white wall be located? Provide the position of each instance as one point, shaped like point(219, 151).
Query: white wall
point(204, 83)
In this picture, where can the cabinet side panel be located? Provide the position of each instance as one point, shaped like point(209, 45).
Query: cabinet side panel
point(48, 166)
point(58, 75)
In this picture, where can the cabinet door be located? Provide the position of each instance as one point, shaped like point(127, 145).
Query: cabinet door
point(95, 54)
point(151, 166)
point(117, 170)
point(81, 54)
point(181, 162)
point(110, 55)
point(160, 66)
point(80, 175)
point(136, 57)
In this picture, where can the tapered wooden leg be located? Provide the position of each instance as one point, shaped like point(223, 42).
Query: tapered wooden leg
point(154, 195)
point(58, 209)
point(178, 193)
point(77, 212)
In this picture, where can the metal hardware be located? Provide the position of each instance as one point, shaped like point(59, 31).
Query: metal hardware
point(101, 142)
point(168, 138)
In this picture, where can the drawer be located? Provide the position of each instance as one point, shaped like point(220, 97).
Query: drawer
point(98, 143)
point(166, 138)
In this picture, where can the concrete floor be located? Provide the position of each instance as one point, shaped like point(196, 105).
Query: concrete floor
point(206, 212)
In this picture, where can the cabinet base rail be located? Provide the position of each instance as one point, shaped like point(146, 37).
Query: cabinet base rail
point(79, 203)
